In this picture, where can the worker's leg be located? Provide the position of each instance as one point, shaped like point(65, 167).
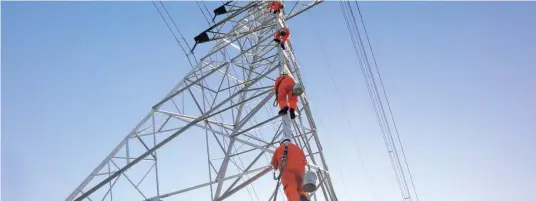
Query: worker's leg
point(293, 103)
point(282, 101)
point(288, 180)
point(276, 37)
point(298, 179)
point(284, 42)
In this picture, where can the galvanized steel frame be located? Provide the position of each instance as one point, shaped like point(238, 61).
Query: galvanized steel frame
point(260, 61)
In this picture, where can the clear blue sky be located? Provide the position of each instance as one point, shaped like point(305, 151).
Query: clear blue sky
point(76, 77)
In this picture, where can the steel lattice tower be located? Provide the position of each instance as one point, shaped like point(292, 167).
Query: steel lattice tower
point(225, 103)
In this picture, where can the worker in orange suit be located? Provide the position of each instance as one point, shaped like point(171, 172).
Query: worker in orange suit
point(281, 36)
point(275, 7)
point(284, 89)
point(291, 173)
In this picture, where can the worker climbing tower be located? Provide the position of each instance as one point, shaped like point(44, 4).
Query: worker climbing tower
point(211, 137)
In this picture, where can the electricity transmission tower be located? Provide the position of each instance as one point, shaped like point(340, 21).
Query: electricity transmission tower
point(215, 131)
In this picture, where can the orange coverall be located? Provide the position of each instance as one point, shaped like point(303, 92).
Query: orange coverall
point(291, 179)
point(274, 7)
point(283, 39)
point(283, 86)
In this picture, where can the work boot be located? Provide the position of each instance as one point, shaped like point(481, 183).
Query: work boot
point(283, 46)
point(303, 198)
point(277, 40)
point(292, 113)
point(283, 111)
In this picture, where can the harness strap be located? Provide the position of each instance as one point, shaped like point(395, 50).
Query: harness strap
point(281, 169)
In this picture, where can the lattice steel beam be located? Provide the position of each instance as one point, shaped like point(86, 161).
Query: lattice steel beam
point(226, 97)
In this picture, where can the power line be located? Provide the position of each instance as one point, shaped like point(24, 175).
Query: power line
point(376, 100)
point(175, 24)
point(350, 129)
point(205, 5)
point(374, 103)
point(382, 108)
point(387, 99)
point(201, 9)
point(383, 122)
point(168, 26)
point(187, 53)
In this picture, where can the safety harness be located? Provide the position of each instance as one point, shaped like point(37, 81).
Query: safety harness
point(281, 169)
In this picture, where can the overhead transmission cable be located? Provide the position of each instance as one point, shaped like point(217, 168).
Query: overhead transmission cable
point(386, 99)
point(370, 94)
point(169, 27)
point(383, 122)
point(346, 116)
point(380, 121)
point(203, 12)
point(187, 53)
point(375, 100)
point(205, 5)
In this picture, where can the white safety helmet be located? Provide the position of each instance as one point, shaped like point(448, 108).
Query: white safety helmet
point(285, 139)
point(283, 73)
point(297, 89)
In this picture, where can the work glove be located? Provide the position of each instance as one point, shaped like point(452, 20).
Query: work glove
point(277, 40)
